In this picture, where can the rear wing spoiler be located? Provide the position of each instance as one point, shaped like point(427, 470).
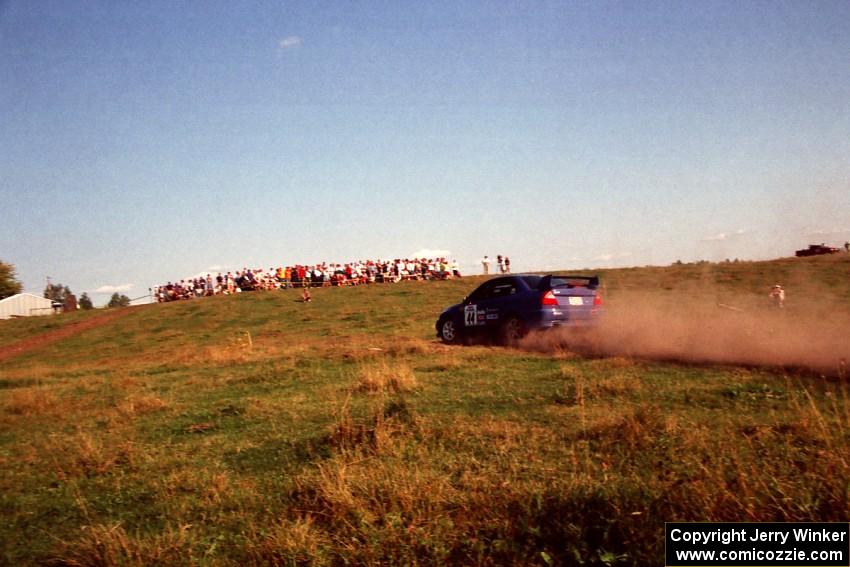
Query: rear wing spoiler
point(570, 281)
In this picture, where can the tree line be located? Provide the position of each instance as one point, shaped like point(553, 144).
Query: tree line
point(10, 285)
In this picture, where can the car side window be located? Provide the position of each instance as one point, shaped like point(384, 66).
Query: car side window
point(483, 292)
point(500, 287)
point(504, 289)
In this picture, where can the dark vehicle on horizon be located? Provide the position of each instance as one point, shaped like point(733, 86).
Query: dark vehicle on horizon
point(508, 307)
point(816, 250)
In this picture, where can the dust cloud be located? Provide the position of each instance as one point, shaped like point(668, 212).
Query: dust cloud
point(811, 332)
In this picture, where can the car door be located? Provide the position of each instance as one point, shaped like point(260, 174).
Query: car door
point(475, 308)
point(502, 303)
point(488, 305)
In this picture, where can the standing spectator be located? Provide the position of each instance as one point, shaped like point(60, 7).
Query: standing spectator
point(500, 263)
point(455, 268)
point(507, 265)
point(485, 262)
point(777, 297)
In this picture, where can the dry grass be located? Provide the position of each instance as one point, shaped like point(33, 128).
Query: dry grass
point(291, 542)
point(30, 402)
point(618, 381)
point(383, 377)
point(141, 404)
point(388, 487)
point(104, 545)
point(83, 454)
point(386, 418)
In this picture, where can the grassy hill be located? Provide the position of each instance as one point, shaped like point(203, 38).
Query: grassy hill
point(255, 429)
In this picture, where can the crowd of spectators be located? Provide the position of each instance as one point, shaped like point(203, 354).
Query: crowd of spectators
point(298, 276)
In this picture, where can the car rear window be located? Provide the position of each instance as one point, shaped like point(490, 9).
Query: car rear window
point(532, 281)
point(570, 282)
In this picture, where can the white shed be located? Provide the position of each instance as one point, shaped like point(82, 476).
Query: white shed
point(25, 305)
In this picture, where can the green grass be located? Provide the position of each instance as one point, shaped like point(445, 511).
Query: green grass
point(258, 430)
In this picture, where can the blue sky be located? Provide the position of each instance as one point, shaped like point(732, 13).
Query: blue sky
point(143, 142)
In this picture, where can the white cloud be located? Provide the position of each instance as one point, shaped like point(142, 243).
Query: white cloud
point(114, 288)
point(608, 257)
point(290, 42)
point(430, 253)
point(724, 235)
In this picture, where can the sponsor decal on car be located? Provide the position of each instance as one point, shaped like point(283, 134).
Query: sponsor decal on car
point(474, 317)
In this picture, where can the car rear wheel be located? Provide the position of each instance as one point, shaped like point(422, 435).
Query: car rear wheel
point(513, 329)
point(449, 332)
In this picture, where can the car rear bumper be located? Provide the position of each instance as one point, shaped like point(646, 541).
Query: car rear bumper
point(556, 318)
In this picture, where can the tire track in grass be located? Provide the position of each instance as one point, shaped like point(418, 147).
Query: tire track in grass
point(47, 338)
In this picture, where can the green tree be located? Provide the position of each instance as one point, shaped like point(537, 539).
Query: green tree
point(118, 300)
point(57, 292)
point(85, 302)
point(9, 284)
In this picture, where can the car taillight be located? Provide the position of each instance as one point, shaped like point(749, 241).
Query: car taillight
point(597, 303)
point(549, 298)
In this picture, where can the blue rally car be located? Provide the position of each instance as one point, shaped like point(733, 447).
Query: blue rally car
point(508, 307)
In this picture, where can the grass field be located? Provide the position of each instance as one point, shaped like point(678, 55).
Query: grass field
point(254, 429)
